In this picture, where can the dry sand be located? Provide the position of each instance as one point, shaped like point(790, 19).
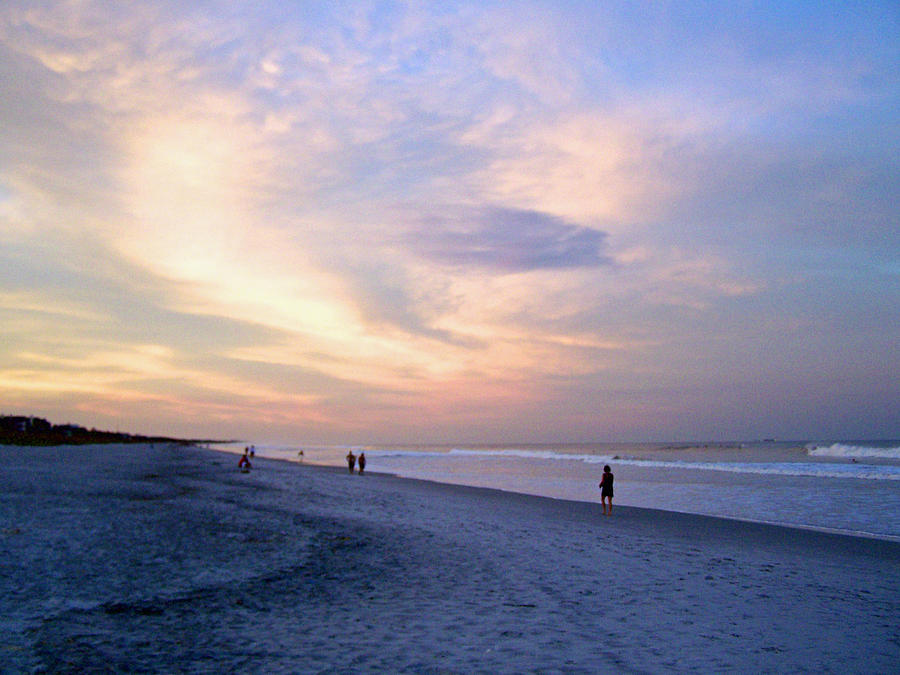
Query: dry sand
point(166, 559)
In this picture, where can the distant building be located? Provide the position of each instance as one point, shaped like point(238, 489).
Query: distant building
point(69, 430)
point(24, 424)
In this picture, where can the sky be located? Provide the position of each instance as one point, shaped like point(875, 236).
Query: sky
point(454, 222)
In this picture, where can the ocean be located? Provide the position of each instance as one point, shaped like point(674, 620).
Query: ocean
point(851, 487)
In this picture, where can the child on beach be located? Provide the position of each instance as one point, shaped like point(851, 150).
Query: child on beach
point(244, 462)
point(606, 489)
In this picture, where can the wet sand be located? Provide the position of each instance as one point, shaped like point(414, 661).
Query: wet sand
point(167, 559)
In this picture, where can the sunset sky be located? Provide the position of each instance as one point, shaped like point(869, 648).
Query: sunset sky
point(452, 221)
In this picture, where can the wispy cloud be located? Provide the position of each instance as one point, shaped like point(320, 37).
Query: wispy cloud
point(506, 240)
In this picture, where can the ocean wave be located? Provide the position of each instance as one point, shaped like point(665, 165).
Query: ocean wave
point(380, 452)
point(509, 453)
point(853, 451)
point(801, 469)
point(535, 454)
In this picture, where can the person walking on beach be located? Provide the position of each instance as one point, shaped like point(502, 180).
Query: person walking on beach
point(606, 489)
point(351, 461)
point(362, 462)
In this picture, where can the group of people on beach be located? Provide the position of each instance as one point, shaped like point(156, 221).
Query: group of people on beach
point(353, 460)
point(605, 485)
point(244, 462)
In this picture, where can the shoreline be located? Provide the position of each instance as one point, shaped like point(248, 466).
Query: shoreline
point(853, 534)
point(862, 534)
point(659, 517)
point(168, 558)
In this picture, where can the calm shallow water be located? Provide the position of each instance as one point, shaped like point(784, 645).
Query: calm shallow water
point(851, 487)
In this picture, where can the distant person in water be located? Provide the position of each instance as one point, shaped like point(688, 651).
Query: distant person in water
point(362, 462)
point(351, 461)
point(606, 489)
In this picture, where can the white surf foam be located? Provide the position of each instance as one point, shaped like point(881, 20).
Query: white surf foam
point(854, 451)
point(807, 468)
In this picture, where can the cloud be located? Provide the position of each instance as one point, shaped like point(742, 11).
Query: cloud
point(528, 45)
point(335, 212)
point(507, 240)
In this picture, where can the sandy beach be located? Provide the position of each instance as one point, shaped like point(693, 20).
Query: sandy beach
point(167, 559)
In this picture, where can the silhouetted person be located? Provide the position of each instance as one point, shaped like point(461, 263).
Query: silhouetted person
point(606, 489)
point(362, 462)
point(351, 461)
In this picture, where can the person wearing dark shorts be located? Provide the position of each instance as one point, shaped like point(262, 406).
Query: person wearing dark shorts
point(606, 489)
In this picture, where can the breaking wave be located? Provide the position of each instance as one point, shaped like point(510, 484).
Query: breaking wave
point(806, 468)
point(854, 451)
